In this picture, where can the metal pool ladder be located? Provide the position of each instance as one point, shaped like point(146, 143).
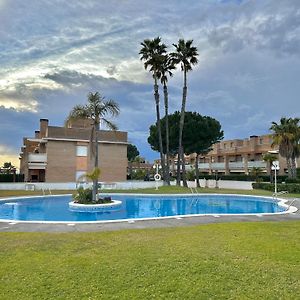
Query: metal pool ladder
point(279, 194)
point(194, 190)
point(44, 191)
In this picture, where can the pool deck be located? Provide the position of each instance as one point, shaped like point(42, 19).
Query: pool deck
point(142, 224)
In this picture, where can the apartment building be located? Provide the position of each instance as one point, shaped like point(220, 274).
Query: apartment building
point(237, 156)
point(61, 154)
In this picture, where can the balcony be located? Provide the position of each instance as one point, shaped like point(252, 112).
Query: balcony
point(203, 165)
point(218, 166)
point(37, 161)
point(237, 165)
point(257, 164)
point(37, 157)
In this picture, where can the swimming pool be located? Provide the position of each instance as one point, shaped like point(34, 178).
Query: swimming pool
point(56, 208)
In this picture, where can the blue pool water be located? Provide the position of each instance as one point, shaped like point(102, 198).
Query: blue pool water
point(57, 208)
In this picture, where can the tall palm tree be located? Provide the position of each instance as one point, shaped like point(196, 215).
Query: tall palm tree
point(96, 111)
point(285, 136)
point(186, 56)
point(152, 53)
point(165, 70)
point(295, 129)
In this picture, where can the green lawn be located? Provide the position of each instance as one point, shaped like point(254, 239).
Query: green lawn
point(162, 190)
point(217, 261)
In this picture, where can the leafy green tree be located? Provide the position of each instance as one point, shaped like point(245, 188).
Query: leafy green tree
point(96, 110)
point(152, 53)
point(132, 154)
point(286, 136)
point(200, 133)
point(186, 55)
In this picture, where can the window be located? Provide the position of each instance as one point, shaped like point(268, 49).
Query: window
point(79, 174)
point(81, 150)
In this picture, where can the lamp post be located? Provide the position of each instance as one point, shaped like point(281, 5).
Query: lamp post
point(157, 176)
point(275, 167)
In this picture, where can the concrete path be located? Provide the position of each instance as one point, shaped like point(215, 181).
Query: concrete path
point(162, 223)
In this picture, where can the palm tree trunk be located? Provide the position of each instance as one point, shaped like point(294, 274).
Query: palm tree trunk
point(293, 166)
point(184, 172)
point(181, 124)
point(96, 161)
point(178, 175)
point(156, 96)
point(197, 170)
point(167, 171)
point(288, 163)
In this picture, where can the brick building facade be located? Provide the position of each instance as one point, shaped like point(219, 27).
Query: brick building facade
point(61, 154)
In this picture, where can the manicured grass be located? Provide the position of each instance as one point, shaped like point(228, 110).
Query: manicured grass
point(161, 190)
point(217, 261)
point(11, 193)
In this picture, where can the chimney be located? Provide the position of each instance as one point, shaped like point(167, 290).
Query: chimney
point(37, 134)
point(43, 127)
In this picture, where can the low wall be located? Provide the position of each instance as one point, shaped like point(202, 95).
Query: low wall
point(223, 184)
point(72, 185)
point(226, 184)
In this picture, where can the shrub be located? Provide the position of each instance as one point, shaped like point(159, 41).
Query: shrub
point(243, 177)
point(290, 187)
point(10, 178)
point(138, 175)
point(85, 196)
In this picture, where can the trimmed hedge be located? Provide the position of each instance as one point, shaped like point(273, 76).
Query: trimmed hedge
point(10, 178)
point(290, 187)
point(242, 177)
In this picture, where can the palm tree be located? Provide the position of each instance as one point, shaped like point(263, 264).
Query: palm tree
point(186, 56)
point(165, 70)
point(295, 129)
point(269, 158)
point(96, 111)
point(152, 53)
point(286, 136)
point(256, 172)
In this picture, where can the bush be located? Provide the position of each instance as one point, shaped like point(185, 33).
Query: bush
point(190, 175)
point(243, 177)
point(290, 187)
point(292, 180)
point(138, 174)
point(85, 196)
point(10, 178)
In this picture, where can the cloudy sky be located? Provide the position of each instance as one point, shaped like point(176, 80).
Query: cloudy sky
point(53, 52)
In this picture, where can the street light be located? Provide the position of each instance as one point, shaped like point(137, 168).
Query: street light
point(157, 176)
point(275, 167)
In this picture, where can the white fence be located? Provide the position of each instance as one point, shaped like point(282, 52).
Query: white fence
point(72, 185)
point(226, 184)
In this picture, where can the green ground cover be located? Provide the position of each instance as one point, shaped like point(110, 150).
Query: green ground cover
point(161, 190)
point(217, 261)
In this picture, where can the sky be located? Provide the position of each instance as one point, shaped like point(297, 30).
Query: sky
point(53, 52)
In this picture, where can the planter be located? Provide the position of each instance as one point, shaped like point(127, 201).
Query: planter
point(114, 205)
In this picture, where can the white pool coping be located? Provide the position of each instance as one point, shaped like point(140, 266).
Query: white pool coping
point(281, 202)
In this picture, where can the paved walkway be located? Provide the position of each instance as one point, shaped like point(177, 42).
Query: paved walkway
point(160, 223)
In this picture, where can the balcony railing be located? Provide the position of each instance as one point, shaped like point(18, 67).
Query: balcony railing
point(203, 165)
point(236, 165)
point(37, 157)
point(218, 166)
point(257, 164)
